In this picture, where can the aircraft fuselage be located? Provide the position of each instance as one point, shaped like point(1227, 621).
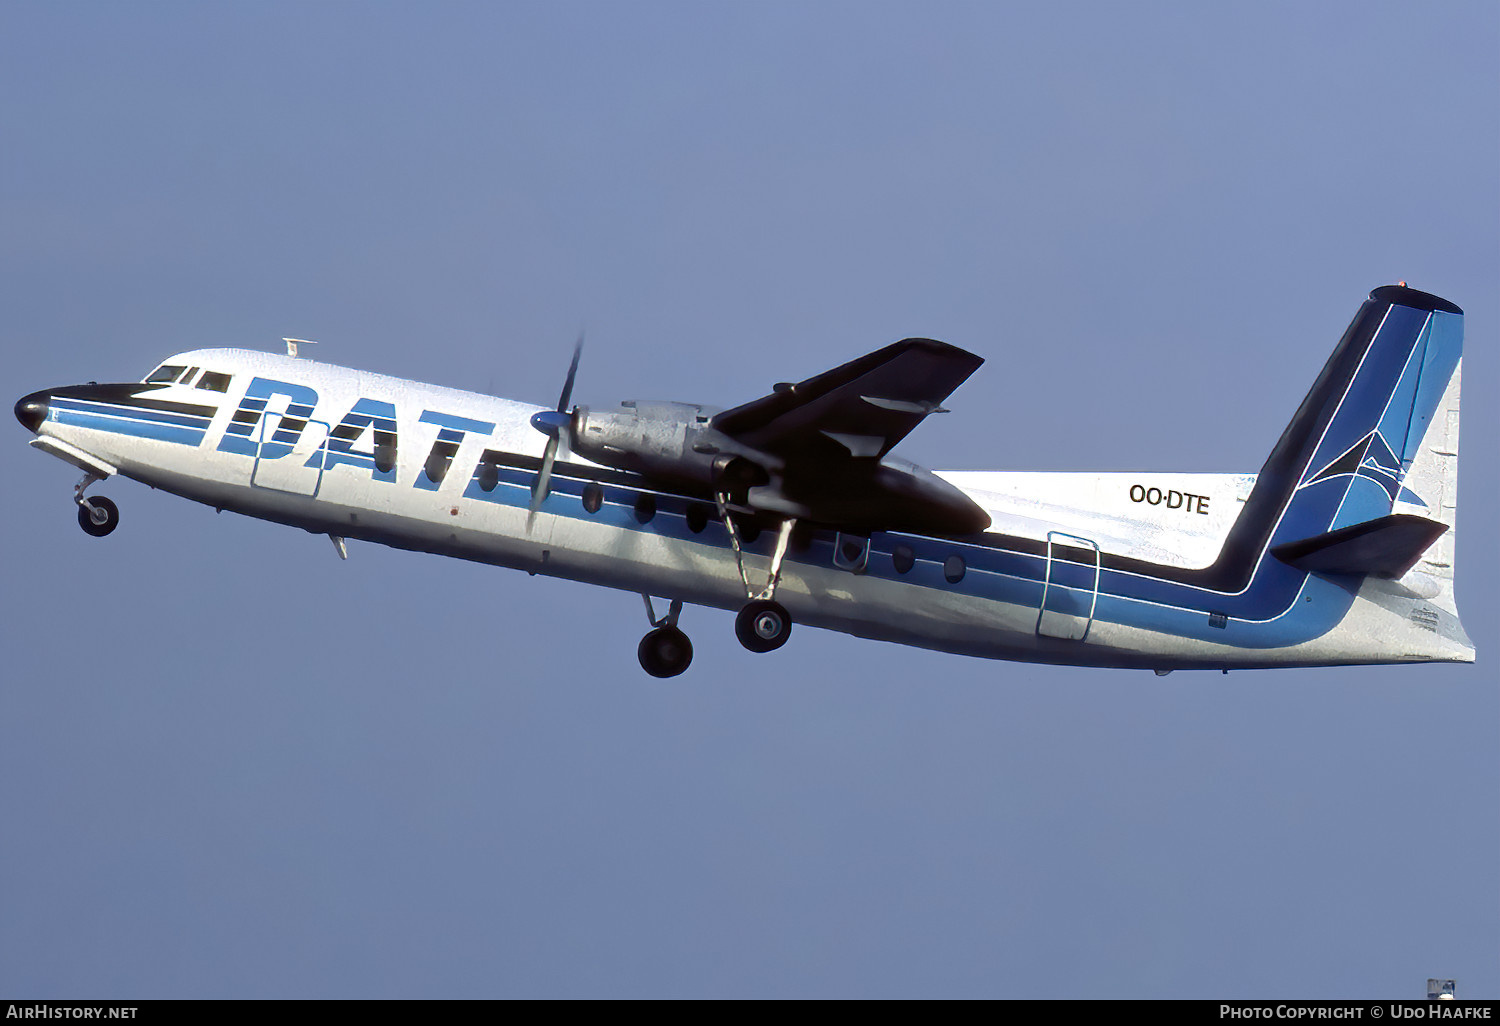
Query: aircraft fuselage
point(358, 455)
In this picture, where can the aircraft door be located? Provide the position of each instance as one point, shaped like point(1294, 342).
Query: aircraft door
point(290, 452)
point(1070, 590)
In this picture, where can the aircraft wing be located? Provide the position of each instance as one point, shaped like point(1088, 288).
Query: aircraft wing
point(857, 411)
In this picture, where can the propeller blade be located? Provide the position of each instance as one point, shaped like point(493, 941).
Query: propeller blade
point(567, 392)
point(544, 476)
point(555, 426)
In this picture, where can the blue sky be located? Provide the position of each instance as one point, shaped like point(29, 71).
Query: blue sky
point(231, 765)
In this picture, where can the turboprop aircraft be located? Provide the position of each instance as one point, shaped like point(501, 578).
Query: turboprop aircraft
point(791, 508)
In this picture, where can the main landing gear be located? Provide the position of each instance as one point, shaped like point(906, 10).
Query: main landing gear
point(97, 516)
point(666, 651)
point(763, 625)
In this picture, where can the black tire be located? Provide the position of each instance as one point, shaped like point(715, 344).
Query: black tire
point(763, 626)
point(104, 519)
point(665, 652)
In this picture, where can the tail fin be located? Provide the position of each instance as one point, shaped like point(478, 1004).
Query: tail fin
point(1374, 447)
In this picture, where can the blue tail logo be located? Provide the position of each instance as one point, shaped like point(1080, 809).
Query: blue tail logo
point(1371, 458)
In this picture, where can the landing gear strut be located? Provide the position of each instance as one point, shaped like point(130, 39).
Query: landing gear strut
point(97, 516)
point(763, 625)
point(665, 651)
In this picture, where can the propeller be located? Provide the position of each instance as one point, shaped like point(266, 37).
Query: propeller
point(554, 424)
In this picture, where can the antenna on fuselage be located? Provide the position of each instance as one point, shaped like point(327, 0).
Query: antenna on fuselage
point(293, 343)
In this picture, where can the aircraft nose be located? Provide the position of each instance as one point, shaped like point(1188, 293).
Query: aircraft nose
point(31, 410)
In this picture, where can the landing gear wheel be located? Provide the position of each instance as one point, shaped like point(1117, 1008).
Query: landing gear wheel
point(763, 626)
point(102, 519)
point(665, 652)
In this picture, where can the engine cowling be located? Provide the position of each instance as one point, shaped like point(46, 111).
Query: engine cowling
point(669, 442)
point(675, 444)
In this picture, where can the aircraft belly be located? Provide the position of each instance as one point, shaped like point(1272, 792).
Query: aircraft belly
point(868, 606)
point(994, 617)
point(963, 622)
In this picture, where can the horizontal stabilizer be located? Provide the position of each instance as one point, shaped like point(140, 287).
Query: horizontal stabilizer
point(1387, 547)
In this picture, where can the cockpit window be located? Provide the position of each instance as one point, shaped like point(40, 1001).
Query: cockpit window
point(167, 372)
point(214, 381)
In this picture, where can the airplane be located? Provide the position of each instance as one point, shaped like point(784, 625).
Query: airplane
point(791, 509)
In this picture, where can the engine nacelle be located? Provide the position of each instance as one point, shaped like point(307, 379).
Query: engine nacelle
point(676, 445)
point(666, 441)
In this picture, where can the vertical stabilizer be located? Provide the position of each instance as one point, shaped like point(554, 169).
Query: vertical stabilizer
point(1375, 450)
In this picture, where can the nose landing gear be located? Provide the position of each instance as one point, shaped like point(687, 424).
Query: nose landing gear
point(97, 516)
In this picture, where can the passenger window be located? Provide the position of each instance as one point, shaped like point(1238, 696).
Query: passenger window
point(645, 507)
point(953, 569)
point(489, 471)
point(385, 454)
point(214, 381)
point(593, 497)
point(166, 373)
point(697, 516)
